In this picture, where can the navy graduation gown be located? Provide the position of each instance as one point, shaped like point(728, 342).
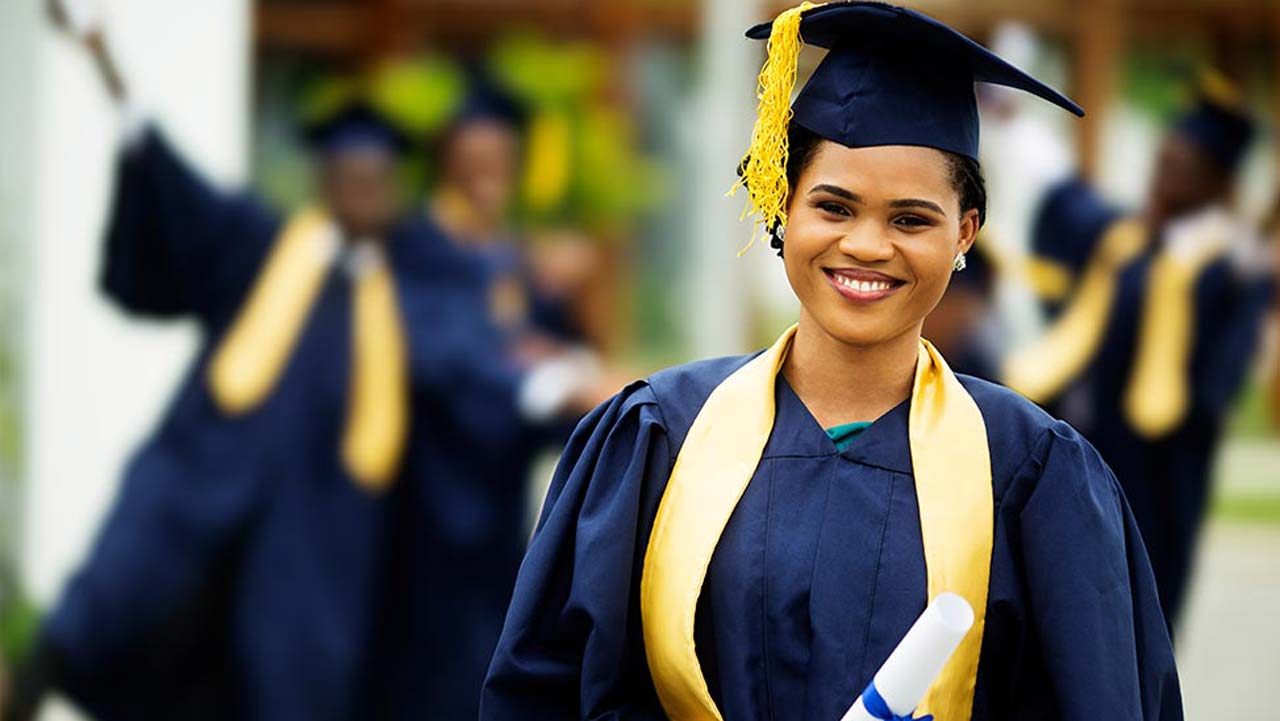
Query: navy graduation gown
point(820, 571)
point(502, 261)
point(241, 573)
point(1166, 480)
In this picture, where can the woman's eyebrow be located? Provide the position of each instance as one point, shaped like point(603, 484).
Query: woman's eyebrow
point(836, 191)
point(918, 203)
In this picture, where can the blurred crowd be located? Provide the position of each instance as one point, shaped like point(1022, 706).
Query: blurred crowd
point(436, 275)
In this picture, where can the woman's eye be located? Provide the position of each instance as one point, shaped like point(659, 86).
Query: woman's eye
point(912, 221)
point(833, 208)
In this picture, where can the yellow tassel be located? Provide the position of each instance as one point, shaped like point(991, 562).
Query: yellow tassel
point(764, 167)
point(378, 412)
point(252, 356)
point(1218, 89)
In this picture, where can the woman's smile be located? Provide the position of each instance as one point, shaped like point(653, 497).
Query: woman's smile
point(862, 286)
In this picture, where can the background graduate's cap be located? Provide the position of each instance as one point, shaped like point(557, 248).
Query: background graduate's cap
point(1217, 122)
point(892, 77)
point(355, 124)
point(486, 100)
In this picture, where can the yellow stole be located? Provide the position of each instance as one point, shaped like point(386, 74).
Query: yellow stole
point(721, 451)
point(253, 354)
point(1042, 369)
point(1158, 393)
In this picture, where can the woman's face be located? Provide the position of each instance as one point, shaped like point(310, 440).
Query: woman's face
point(872, 235)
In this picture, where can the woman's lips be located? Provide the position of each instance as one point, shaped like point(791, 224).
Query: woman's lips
point(862, 286)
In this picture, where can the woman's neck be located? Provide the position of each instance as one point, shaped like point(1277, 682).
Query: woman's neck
point(842, 383)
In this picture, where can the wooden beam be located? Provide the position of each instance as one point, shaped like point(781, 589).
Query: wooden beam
point(1099, 35)
point(326, 27)
point(354, 27)
point(1275, 119)
point(389, 32)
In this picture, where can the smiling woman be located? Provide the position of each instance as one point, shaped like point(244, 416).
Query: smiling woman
point(750, 537)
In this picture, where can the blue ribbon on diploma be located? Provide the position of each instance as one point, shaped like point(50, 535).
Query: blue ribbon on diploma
point(875, 705)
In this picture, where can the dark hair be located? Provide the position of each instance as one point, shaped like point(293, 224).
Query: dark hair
point(966, 173)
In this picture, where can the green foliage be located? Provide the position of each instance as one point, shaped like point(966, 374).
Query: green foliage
point(1249, 418)
point(1158, 79)
point(420, 94)
point(544, 73)
point(1247, 508)
point(584, 165)
point(19, 619)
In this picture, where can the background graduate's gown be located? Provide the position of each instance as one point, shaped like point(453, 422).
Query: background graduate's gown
point(1166, 479)
point(820, 571)
point(241, 572)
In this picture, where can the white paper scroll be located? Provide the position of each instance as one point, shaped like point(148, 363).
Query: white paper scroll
point(919, 657)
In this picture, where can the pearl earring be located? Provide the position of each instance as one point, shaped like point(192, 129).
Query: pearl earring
point(960, 263)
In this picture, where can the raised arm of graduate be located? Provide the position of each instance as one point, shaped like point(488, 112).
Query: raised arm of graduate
point(1105, 645)
point(175, 245)
point(572, 645)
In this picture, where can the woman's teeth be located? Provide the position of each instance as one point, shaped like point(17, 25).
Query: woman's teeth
point(864, 286)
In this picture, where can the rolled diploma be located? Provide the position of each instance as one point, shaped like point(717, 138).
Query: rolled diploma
point(919, 657)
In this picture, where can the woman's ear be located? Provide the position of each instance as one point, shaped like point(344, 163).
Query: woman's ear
point(968, 230)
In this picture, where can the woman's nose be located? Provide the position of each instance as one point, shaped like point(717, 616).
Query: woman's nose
point(866, 243)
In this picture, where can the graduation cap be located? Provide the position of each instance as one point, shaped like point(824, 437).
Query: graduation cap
point(356, 124)
point(1218, 122)
point(892, 76)
point(485, 100)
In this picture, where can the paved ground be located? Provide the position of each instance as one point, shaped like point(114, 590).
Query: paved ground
point(1229, 650)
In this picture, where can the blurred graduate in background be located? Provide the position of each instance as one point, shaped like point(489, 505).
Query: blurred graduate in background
point(308, 532)
point(965, 325)
point(481, 159)
point(1155, 317)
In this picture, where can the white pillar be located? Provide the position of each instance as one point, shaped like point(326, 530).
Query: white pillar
point(97, 381)
point(721, 290)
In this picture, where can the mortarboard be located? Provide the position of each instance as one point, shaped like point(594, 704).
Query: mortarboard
point(487, 100)
point(892, 76)
point(1217, 122)
point(356, 124)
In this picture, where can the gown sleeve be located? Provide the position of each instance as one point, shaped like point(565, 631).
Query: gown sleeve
point(456, 356)
point(1230, 325)
point(1092, 592)
point(572, 646)
point(1068, 223)
point(175, 245)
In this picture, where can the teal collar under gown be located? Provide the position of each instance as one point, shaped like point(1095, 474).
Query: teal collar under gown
point(241, 573)
point(820, 572)
point(845, 434)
